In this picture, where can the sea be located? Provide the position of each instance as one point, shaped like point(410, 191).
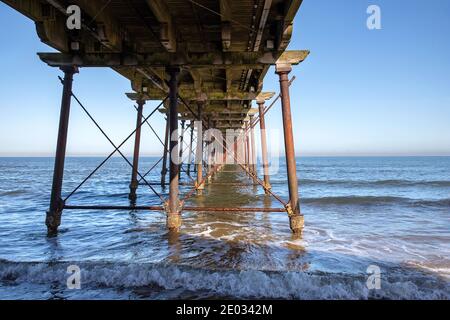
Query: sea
point(375, 228)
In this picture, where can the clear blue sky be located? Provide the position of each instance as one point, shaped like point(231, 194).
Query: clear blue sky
point(360, 92)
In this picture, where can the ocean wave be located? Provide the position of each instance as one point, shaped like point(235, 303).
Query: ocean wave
point(432, 203)
point(355, 200)
point(372, 183)
point(375, 200)
point(13, 192)
point(395, 183)
point(228, 283)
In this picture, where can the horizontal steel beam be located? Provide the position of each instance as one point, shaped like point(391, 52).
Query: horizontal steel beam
point(149, 208)
point(243, 209)
point(217, 118)
point(187, 208)
point(221, 60)
point(190, 95)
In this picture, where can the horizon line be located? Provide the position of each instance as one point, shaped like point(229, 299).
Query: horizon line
point(281, 156)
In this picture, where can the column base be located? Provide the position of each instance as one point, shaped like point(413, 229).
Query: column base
point(296, 223)
point(173, 222)
point(53, 221)
point(200, 188)
point(163, 178)
point(267, 187)
point(132, 196)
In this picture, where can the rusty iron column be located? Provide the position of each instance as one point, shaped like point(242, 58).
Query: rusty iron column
point(183, 122)
point(253, 147)
point(214, 154)
point(137, 143)
point(265, 161)
point(241, 147)
point(164, 161)
point(190, 149)
point(296, 219)
point(236, 145)
point(247, 147)
point(174, 206)
point(199, 151)
point(209, 153)
point(53, 216)
point(224, 155)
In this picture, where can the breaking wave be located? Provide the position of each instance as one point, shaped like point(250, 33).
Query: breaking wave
point(227, 283)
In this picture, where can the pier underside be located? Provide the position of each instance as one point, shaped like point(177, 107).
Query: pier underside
point(205, 61)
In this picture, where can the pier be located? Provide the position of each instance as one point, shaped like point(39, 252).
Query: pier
point(205, 61)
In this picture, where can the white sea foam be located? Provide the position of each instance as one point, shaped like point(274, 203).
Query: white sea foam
point(238, 284)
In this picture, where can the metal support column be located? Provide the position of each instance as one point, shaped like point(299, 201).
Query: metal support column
point(265, 161)
point(236, 146)
point(53, 217)
point(253, 147)
point(137, 143)
point(183, 122)
point(224, 154)
point(164, 163)
point(296, 219)
point(214, 152)
point(173, 207)
point(199, 152)
point(247, 146)
point(190, 149)
point(209, 153)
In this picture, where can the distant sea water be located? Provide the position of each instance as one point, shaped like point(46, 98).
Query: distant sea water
point(387, 212)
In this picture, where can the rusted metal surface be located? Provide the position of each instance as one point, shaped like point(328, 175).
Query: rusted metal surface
point(173, 210)
point(53, 218)
point(186, 208)
point(137, 143)
point(199, 151)
point(130, 208)
point(247, 145)
point(253, 146)
point(232, 209)
point(224, 49)
point(265, 159)
point(283, 72)
point(165, 151)
point(190, 149)
point(183, 123)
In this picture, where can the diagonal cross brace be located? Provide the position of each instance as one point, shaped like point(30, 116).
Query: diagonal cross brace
point(116, 149)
